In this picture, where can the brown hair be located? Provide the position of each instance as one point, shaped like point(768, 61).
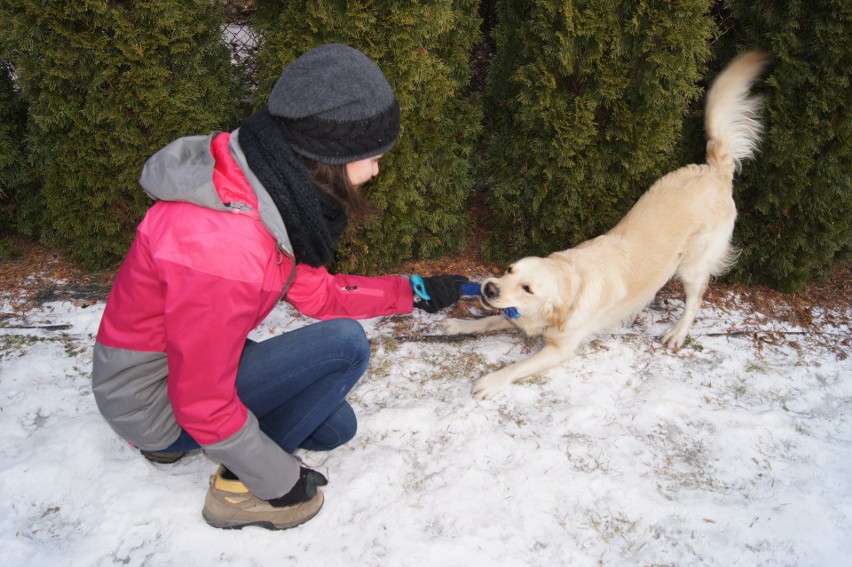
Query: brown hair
point(334, 180)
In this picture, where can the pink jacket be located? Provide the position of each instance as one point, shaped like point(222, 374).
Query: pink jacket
point(209, 262)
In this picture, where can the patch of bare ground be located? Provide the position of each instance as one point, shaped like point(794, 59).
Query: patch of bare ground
point(42, 274)
point(819, 306)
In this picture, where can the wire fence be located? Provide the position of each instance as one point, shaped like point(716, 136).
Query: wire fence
point(240, 38)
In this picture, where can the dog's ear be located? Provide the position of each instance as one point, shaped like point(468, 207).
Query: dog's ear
point(559, 309)
point(562, 312)
point(556, 313)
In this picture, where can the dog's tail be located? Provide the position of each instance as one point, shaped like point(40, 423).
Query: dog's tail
point(733, 129)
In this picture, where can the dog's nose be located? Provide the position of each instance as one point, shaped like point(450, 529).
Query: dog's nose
point(490, 291)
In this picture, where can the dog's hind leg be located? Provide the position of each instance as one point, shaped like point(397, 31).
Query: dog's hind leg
point(694, 288)
point(710, 255)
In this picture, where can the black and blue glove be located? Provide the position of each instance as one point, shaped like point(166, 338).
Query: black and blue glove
point(304, 489)
point(436, 292)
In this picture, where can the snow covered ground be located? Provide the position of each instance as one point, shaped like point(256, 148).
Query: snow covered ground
point(736, 450)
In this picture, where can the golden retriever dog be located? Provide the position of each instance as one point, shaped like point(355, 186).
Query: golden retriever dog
point(681, 227)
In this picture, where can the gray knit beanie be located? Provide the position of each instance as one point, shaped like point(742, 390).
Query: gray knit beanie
point(335, 106)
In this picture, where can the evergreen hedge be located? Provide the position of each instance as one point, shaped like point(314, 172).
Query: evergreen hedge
point(423, 48)
point(107, 84)
point(795, 200)
point(585, 102)
point(584, 99)
point(14, 173)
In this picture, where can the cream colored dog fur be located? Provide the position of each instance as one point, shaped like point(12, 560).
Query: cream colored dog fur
point(681, 227)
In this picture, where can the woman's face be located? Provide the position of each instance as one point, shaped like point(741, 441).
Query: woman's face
point(360, 172)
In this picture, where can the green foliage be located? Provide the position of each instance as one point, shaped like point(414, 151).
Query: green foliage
point(795, 200)
point(14, 173)
point(423, 48)
point(8, 250)
point(107, 84)
point(585, 102)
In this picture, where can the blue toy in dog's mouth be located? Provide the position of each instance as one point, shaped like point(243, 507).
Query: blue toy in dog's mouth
point(511, 312)
point(475, 289)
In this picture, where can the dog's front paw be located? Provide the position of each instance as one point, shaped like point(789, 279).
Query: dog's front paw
point(674, 337)
point(452, 326)
point(490, 385)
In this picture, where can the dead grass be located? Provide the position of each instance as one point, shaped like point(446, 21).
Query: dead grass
point(42, 274)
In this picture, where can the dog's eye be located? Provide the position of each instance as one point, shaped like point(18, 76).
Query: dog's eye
point(509, 270)
point(527, 289)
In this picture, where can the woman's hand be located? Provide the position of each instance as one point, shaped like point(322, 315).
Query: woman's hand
point(436, 292)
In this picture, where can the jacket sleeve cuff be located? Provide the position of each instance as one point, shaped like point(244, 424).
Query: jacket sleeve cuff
point(265, 468)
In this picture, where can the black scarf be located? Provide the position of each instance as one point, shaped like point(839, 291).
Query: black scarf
point(314, 220)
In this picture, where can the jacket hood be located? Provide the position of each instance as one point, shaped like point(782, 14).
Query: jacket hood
point(183, 171)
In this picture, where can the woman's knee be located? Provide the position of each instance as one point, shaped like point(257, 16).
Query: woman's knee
point(338, 429)
point(350, 335)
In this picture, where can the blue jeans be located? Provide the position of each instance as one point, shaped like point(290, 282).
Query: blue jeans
point(296, 385)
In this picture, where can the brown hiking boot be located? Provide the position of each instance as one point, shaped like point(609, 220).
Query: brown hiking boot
point(230, 505)
point(162, 458)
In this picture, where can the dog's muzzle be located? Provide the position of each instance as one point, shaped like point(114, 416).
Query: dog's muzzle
point(490, 292)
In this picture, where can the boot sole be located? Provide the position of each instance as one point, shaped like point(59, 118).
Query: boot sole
point(234, 524)
point(163, 458)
